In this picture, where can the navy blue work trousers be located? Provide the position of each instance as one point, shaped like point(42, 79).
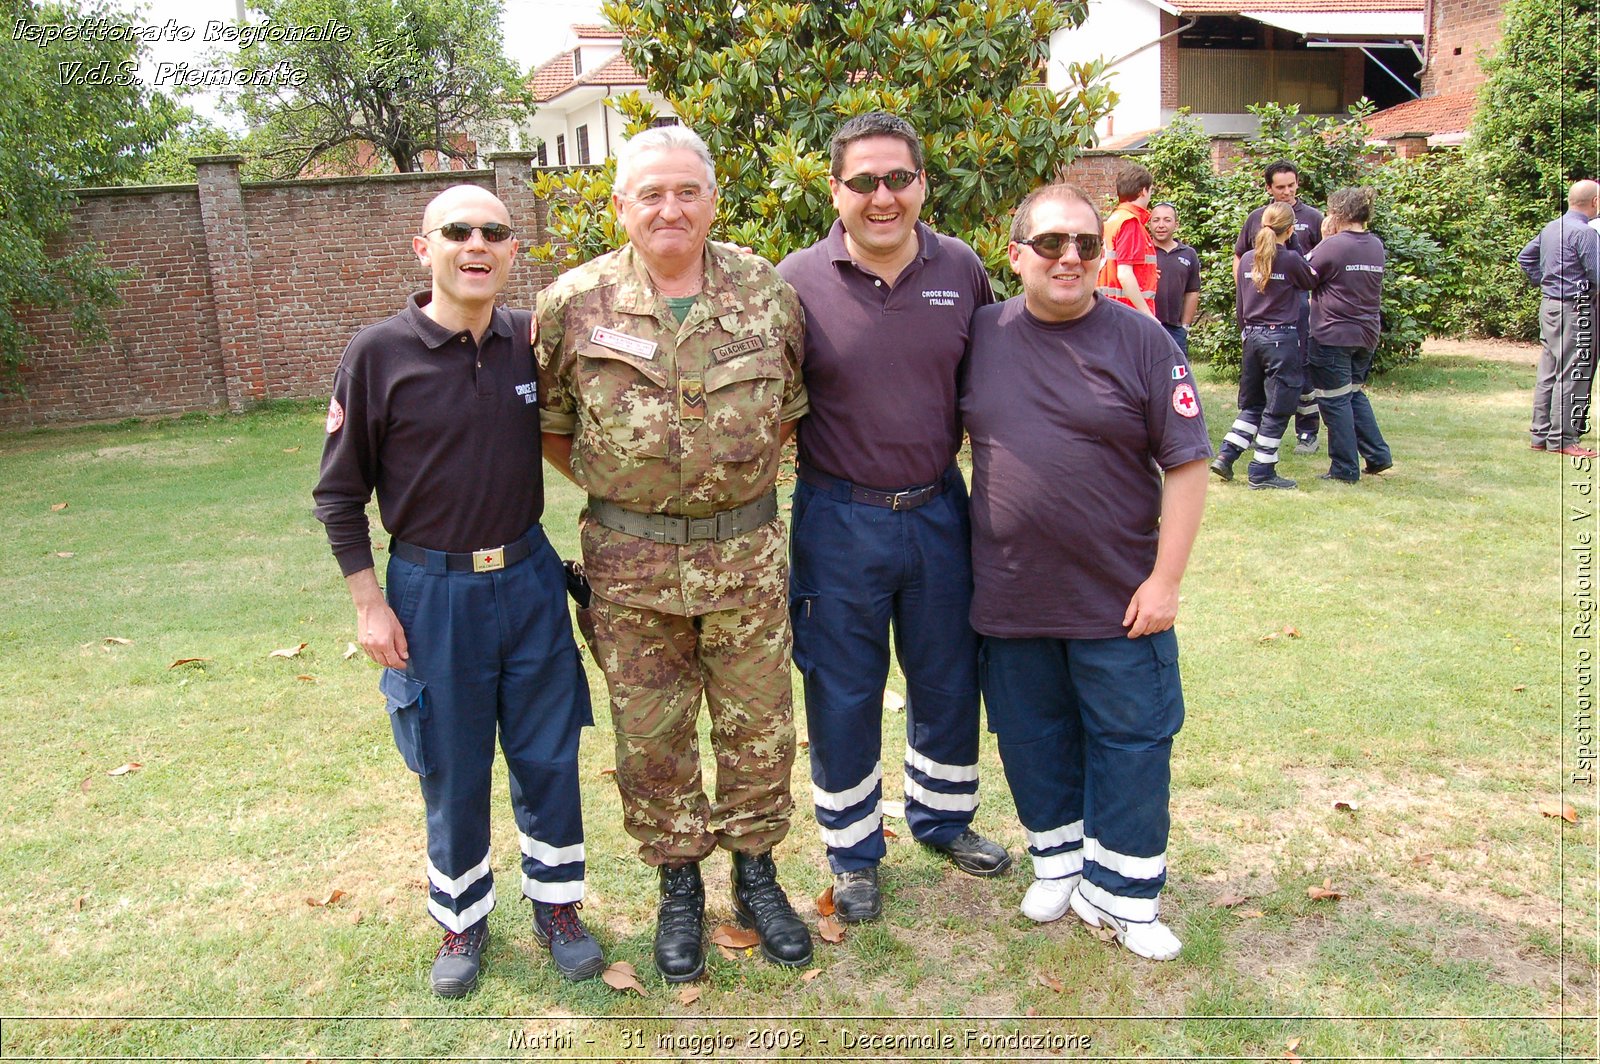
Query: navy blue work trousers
point(1085, 729)
point(1305, 414)
point(1340, 375)
point(858, 572)
point(491, 651)
point(1269, 389)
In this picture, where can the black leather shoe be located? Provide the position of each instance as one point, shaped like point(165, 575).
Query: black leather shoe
point(1272, 483)
point(976, 855)
point(680, 924)
point(1374, 468)
point(1339, 480)
point(1222, 467)
point(855, 895)
point(759, 902)
point(460, 956)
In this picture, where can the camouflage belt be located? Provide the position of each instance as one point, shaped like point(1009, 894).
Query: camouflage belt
point(668, 528)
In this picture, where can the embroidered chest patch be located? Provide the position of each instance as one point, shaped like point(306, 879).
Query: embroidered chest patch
point(742, 346)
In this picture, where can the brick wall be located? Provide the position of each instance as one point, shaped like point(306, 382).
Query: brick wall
point(245, 292)
point(1095, 171)
point(1458, 30)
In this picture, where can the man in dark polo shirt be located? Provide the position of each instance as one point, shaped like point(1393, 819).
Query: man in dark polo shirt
point(879, 528)
point(1075, 405)
point(437, 410)
point(1283, 186)
point(1178, 284)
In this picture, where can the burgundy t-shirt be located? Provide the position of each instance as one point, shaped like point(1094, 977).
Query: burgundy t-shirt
point(1348, 297)
point(1279, 303)
point(1180, 275)
point(881, 362)
point(1307, 228)
point(1071, 424)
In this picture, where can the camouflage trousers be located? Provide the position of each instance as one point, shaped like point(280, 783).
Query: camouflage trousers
point(657, 665)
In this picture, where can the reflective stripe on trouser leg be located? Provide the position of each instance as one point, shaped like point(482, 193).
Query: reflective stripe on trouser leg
point(1034, 715)
point(1131, 702)
point(1238, 438)
point(1332, 368)
point(1275, 357)
point(1305, 420)
point(856, 569)
point(653, 664)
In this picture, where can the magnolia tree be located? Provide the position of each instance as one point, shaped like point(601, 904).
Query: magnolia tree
point(766, 84)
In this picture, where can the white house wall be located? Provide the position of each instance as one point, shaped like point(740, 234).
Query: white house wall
point(552, 119)
point(1114, 28)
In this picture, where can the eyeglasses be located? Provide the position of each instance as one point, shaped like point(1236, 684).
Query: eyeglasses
point(894, 181)
point(655, 197)
point(461, 232)
point(1052, 245)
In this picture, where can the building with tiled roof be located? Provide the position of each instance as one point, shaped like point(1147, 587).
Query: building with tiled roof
point(575, 124)
point(1460, 35)
point(1218, 57)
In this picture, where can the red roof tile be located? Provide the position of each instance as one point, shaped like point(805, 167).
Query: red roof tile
point(614, 71)
point(551, 77)
point(596, 30)
point(554, 76)
point(1449, 112)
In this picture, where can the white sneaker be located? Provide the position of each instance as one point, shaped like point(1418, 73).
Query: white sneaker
point(1153, 941)
point(1047, 899)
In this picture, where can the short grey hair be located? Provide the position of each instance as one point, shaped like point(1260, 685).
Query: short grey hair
point(662, 138)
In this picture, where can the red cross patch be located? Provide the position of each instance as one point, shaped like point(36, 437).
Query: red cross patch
point(335, 416)
point(1184, 401)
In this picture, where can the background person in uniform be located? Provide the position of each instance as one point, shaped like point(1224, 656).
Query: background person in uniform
point(1345, 322)
point(1177, 276)
point(879, 525)
point(1564, 261)
point(1128, 274)
point(1074, 405)
point(435, 408)
point(1283, 186)
point(673, 371)
point(1272, 278)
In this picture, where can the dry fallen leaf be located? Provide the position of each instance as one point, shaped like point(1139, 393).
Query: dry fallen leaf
point(1291, 1055)
point(889, 834)
point(688, 995)
point(894, 701)
point(1324, 892)
point(123, 770)
point(77, 904)
point(350, 651)
point(727, 954)
point(1519, 687)
point(187, 661)
point(830, 929)
point(621, 976)
point(118, 640)
point(804, 744)
point(895, 809)
point(810, 974)
point(288, 652)
point(1292, 1045)
point(735, 937)
point(1560, 809)
point(1228, 901)
point(1249, 914)
point(825, 903)
point(83, 784)
point(333, 898)
point(1422, 858)
point(1269, 637)
point(290, 450)
point(608, 772)
point(58, 506)
point(65, 554)
point(1050, 981)
point(1291, 631)
point(1345, 805)
point(355, 917)
point(306, 678)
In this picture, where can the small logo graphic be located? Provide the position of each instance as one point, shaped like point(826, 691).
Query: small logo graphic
point(529, 392)
point(691, 398)
point(335, 416)
point(1184, 401)
point(636, 346)
point(1179, 372)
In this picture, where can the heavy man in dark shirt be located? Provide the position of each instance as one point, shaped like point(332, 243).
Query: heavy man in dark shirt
point(436, 409)
point(880, 530)
point(1076, 405)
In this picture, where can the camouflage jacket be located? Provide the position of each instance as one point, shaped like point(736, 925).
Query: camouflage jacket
point(681, 420)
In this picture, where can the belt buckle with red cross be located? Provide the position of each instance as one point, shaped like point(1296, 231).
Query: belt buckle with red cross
point(488, 560)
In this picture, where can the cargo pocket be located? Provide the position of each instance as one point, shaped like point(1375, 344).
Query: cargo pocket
point(802, 603)
point(407, 717)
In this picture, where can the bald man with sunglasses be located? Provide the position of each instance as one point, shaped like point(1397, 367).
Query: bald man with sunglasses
point(436, 410)
point(879, 531)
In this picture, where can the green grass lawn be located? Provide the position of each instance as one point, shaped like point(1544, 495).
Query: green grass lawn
point(1397, 646)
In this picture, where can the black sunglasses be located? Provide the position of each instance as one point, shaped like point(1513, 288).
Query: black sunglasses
point(1051, 245)
point(461, 232)
point(894, 181)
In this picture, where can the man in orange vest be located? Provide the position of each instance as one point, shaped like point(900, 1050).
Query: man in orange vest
point(1129, 273)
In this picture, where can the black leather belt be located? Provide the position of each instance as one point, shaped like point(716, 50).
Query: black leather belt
point(1248, 329)
point(679, 531)
point(479, 561)
point(909, 499)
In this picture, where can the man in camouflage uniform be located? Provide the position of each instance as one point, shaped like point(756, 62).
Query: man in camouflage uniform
point(670, 377)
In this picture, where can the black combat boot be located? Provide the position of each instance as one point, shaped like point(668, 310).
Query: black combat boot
point(759, 902)
point(680, 924)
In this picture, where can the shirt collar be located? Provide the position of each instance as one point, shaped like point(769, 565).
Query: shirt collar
point(435, 335)
point(636, 295)
point(838, 251)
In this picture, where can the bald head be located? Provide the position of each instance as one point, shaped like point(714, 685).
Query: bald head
point(1584, 196)
point(465, 197)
